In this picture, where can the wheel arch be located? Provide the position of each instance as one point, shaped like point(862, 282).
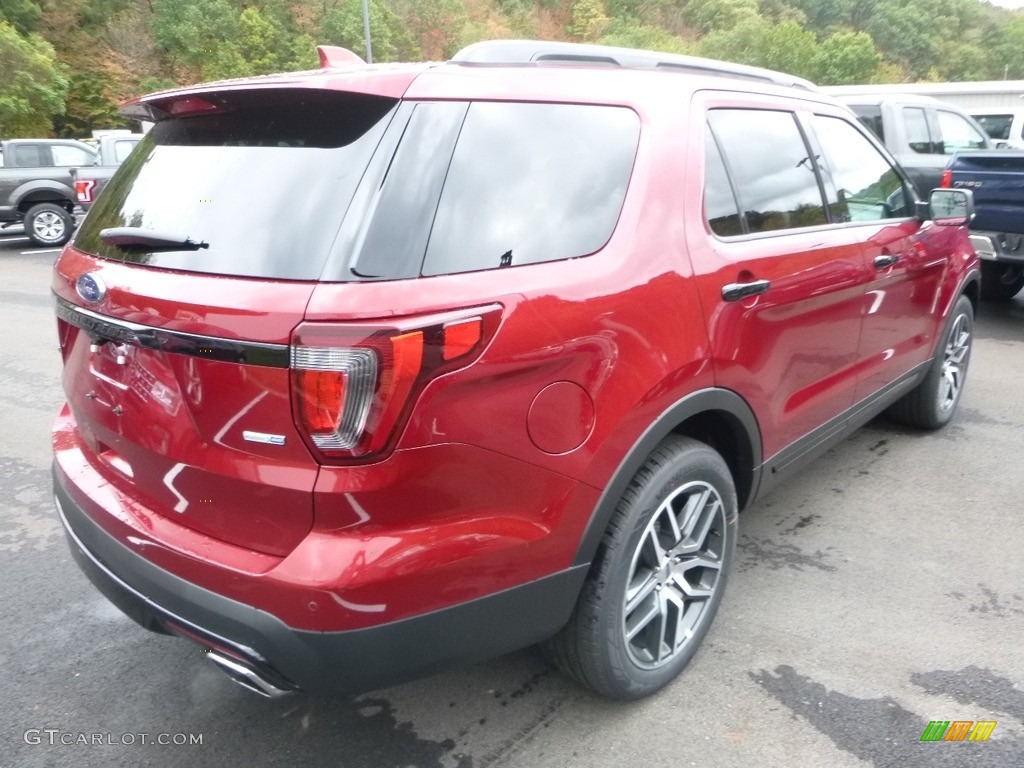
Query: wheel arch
point(717, 417)
point(971, 288)
point(43, 192)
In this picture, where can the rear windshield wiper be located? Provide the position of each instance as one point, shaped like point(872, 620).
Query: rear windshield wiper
point(136, 238)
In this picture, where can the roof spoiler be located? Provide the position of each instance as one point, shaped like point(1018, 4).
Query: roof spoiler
point(335, 56)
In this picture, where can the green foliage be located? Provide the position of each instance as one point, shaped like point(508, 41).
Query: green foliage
point(713, 15)
point(786, 47)
point(23, 15)
point(588, 20)
point(1006, 49)
point(34, 88)
point(907, 35)
point(631, 34)
point(846, 58)
point(777, 11)
point(218, 38)
point(343, 25)
point(436, 25)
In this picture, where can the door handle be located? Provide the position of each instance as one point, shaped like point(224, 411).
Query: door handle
point(737, 291)
point(886, 260)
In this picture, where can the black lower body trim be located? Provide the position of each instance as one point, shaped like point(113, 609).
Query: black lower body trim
point(328, 662)
point(791, 460)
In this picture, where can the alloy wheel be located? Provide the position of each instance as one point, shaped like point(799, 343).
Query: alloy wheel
point(674, 573)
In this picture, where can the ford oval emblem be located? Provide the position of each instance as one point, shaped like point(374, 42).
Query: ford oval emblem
point(91, 288)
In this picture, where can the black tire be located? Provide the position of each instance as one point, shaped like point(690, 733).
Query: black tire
point(685, 481)
point(48, 225)
point(1001, 282)
point(933, 402)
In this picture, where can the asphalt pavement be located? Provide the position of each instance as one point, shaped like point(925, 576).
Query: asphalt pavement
point(881, 589)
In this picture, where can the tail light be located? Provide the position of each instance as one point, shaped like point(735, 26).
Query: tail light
point(352, 383)
point(84, 190)
point(947, 179)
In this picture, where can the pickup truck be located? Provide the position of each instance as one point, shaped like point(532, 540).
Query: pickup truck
point(997, 232)
point(36, 187)
point(921, 132)
point(90, 180)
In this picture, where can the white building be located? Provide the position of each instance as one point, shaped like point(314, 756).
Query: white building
point(978, 96)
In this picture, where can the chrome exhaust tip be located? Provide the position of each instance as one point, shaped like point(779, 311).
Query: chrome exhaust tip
point(246, 676)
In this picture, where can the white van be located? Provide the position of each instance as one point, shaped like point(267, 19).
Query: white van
point(1005, 126)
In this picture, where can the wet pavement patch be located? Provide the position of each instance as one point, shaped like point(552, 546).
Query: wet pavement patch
point(887, 735)
point(765, 552)
point(28, 519)
point(977, 687)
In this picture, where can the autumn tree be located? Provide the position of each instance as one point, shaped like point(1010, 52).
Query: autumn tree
point(588, 20)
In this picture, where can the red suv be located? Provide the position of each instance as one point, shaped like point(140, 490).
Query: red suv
point(372, 370)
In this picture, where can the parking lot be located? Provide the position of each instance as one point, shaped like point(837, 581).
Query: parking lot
point(881, 589)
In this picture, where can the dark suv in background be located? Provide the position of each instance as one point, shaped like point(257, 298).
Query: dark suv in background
point(373, 370)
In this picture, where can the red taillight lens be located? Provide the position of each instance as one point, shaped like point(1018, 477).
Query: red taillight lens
point(947, 179)
point(83, 190)
point(353, 383)
point(322, 399)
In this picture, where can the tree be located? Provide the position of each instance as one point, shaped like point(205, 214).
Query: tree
point(846, 58)
point(1007, 48)
point(34, 86)
point(785, 47)
point(913, 34)
point(588, 20)
point(631, 34)
point(23, 15)
point(712, 15)
point(343, 25)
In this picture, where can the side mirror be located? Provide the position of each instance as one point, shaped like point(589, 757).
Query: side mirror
point(951, 207)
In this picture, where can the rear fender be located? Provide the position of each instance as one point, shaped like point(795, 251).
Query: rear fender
point(726, 406)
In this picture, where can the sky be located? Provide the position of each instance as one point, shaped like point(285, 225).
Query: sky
point(1008, 3)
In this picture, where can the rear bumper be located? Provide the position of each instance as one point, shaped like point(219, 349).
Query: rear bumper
point(332, 662)
point(999, 246)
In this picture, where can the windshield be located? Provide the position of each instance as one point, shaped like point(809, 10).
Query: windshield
point(263, 178)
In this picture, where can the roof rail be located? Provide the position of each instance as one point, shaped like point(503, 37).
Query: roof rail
point(547, 52)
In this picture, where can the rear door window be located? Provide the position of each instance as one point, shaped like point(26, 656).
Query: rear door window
point(29, 156)
point(916, 122)
point(775, 174)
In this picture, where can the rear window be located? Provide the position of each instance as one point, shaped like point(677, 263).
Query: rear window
point(996, 126)
point(262, 178)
